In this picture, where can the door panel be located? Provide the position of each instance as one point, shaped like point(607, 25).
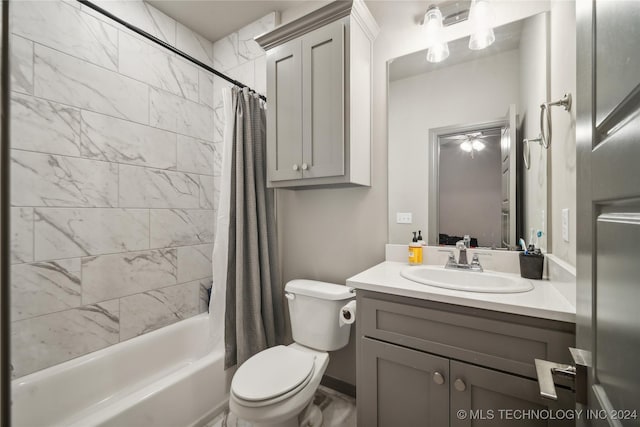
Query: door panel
point(617, 278)
point(618, 155)
point(284, 116)
point(617, 59)
point(495, 399)
point(402, 391)
point(323, 98)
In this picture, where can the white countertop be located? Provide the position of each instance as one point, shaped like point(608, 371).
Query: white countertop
point(544, 301)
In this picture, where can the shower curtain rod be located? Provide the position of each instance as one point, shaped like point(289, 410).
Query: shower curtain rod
point(156, 40)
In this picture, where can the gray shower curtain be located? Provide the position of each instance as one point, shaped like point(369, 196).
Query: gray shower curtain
point(254, 316)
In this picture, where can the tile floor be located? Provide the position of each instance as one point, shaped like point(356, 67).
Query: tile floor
point(338, 410)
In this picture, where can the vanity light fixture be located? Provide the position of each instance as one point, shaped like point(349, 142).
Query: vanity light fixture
point(481, 18)
point(438, 49)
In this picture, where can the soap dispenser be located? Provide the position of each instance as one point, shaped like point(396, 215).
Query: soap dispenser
point(415, 251)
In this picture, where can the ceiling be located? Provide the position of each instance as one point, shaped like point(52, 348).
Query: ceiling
point(214, 19)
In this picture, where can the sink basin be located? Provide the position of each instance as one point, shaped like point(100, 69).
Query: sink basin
point(470, 281)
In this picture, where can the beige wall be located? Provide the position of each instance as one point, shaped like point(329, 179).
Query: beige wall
point(563, 148)
point(534, 91)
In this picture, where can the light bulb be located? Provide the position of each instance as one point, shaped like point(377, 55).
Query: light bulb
point(481, 18)
point(477, 145)
point(482, 39)
point(438, 50)
point(466, 146)
point(438, 53)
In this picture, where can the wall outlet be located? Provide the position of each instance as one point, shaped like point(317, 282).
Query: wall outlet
point(565, 225)
point(404, 218)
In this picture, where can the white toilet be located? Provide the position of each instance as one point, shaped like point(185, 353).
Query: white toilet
point(276, 386)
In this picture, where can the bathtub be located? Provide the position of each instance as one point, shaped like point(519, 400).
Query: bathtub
point(171, 377)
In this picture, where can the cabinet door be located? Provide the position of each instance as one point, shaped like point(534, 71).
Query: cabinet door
point(402, 387)
point(484, 397)
point(284, 112)
point(323, 100)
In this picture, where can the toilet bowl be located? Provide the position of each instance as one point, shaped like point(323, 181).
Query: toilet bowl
point(277, 403)
point(276, 387)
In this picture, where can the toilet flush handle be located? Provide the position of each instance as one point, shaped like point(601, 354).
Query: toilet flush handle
point(289, 296)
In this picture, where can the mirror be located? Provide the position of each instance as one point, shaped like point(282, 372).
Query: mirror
point(455, 140)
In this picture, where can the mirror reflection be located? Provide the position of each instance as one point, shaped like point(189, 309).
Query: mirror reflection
point(455, 140)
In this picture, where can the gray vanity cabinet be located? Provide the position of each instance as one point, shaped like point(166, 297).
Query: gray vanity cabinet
point(319, 98)
point(421, 362)
point(482, 396)
point(406, 387)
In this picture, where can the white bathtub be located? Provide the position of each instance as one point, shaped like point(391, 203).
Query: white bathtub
point(171, 377)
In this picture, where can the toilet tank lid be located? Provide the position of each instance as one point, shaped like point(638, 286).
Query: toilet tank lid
point(322, 290)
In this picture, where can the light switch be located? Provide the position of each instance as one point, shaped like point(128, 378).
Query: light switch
point(404, 218)
point(565, 224)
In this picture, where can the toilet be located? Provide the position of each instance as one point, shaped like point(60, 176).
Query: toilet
point(276, 387)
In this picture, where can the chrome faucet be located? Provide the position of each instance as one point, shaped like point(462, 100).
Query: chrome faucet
point(462, 247)
point(462, 263)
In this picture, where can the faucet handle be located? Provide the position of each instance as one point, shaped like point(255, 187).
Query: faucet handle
point(447, 251)
point(452, 257)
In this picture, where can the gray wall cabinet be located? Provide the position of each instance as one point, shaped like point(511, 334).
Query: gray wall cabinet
point(319, 98)
point(422, 363)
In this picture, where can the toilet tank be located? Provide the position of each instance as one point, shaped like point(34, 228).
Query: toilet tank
point(314, 308)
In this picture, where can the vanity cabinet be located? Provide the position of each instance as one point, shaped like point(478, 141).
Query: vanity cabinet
point(422, 363)
point(319, 98)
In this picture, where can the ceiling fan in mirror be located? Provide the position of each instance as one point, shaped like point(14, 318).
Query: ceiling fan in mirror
point(471, 142)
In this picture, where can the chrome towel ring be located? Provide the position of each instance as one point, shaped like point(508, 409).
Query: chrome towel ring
point(546, 132)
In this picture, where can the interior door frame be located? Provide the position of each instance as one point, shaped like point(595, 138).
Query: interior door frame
point(433, 200)
point(585, 210)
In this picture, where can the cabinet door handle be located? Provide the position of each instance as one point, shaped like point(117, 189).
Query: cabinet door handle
point(459, 385)
point(438, 378)
point(295, 167)
point(305, 166)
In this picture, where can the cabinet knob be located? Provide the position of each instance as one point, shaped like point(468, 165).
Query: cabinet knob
point(305, 166)
point(459, 385)
point(438, 378)
point(295, 167)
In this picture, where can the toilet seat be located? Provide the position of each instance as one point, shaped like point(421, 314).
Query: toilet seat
point(272, 375)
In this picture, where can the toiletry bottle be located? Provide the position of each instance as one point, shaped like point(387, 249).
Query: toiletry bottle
point(415, 251)
point(420, 239)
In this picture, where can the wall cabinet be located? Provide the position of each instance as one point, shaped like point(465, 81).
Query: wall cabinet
point(429, 364)
point(319, 98)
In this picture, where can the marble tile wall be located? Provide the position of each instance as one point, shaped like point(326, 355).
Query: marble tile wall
point(241, 58)
point(115, 174)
